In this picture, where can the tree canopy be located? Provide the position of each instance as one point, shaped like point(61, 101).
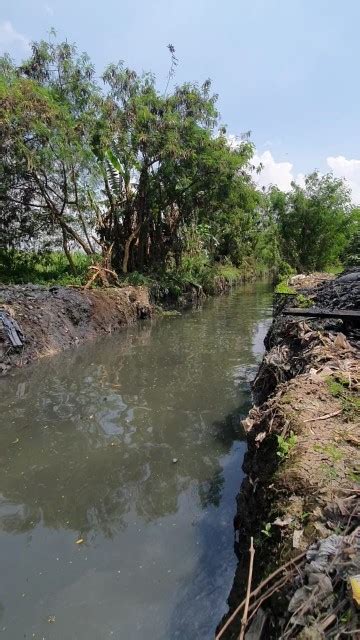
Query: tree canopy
point(314, 221)
point(147, 178)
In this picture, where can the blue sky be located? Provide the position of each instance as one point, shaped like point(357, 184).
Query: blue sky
point(285, 69)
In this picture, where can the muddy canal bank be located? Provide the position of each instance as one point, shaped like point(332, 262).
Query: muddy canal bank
point(57, 318)
point(52, 319)
point(300, 498)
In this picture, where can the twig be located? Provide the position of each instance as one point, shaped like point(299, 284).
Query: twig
point(89, 282)
point(257, 590)
point(248, 591)
point(327, 622)
point(278, 585)
point(328, 415)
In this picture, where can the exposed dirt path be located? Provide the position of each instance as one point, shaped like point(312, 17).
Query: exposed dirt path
point(57, 318)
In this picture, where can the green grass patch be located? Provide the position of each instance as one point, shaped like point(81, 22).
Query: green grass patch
point(331, 451)
point(329, 472)
point(354, 476)
point(195, 271)
point(303, 301)
point(339, 388)
point(284, 287)
point(334, 269)
point(299, 299)
point(52, 267)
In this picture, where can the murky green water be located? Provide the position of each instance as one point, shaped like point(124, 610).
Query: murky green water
point(87, 443)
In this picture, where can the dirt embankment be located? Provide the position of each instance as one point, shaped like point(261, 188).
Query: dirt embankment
point(57, 318)
point(49, 320)
point(300, 500)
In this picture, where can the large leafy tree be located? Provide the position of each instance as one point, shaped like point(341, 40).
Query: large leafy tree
point(164, 168)
point(118, 165)
point(313, 221)
point(351, 253)
point(48, 171)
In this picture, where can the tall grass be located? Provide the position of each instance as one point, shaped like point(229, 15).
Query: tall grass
point(22, 267)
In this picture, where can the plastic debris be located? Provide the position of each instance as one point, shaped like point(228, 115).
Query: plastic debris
point(297, 535)
point(12, 329)
point(319, 556)
point(355, 587)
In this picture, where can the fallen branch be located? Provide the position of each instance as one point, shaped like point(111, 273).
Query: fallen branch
point(278, 585)
point(257, 590)
point(101, 272)
point(327, 415)
point(248, 591)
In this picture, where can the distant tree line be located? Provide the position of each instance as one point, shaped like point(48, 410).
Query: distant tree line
point(113, 166)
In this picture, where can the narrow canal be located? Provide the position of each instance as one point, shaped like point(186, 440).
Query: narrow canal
point(119, 467)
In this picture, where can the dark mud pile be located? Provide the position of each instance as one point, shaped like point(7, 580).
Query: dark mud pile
point(340, 293)
point(57, 318)
point(302, 484)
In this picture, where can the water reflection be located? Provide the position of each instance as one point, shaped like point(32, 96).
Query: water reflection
point(87, 446)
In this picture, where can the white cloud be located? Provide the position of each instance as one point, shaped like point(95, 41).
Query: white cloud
point(10, 38)
point(348, 169)
point(276, 173)
point(281, 174)
point(272, 173)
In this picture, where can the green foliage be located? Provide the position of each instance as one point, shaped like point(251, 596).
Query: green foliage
point(148, 179)
point(230, 273)
point(137, 279)
point(284, 271)
point(48, 173)
point(314, 221)
point(351, 254)
point(354, 476)
point(20, 267)
point(152, 175)
point(303, 301)
point(334, 269)
point(285, 445)
point(339, 388)
point(284, 287)
point(266, 530)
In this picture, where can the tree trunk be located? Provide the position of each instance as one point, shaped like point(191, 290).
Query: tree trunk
point(143, 215)
point(69, 231)
point(128, 242)
point(68, 252)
